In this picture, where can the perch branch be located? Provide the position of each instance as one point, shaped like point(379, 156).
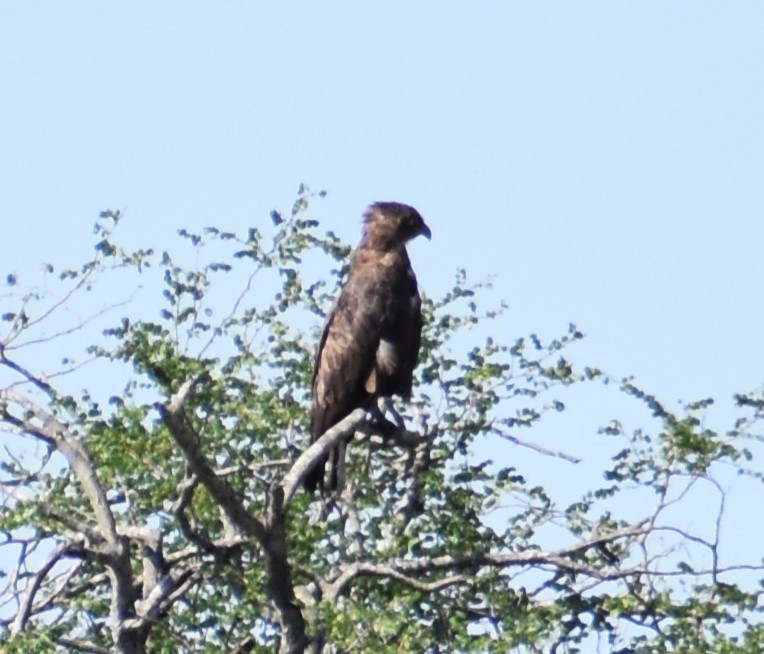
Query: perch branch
point(321, 448)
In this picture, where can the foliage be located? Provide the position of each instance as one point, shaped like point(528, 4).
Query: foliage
point(158, 510)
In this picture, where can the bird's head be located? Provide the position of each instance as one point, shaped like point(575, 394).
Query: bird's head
point(390, 224)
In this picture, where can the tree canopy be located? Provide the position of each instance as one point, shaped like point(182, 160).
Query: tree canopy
point(154, 449)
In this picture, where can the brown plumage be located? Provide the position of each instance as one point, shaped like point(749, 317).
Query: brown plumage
point(370, 342)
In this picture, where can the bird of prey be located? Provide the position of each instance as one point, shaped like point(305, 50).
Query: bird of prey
point(370, 342)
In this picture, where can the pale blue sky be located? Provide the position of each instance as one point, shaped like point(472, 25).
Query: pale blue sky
point(603, 159)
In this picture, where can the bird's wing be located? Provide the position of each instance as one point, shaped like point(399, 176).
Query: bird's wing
point(347, 349)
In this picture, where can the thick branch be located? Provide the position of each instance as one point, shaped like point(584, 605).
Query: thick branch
point(76, 524)
point(164, 594)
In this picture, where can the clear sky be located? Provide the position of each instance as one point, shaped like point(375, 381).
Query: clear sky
point(604, 160)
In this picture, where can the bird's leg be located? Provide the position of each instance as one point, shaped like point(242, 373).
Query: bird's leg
point(378, 420)
point(338, 469)
point(334, 473)
point(386, 406)
point(328, 504)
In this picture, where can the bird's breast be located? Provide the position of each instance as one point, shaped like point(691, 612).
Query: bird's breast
point(385, 366)
point(387, 356)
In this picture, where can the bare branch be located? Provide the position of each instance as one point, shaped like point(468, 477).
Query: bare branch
point(148, 609)
point(71, 330)
point(251, 468)
point(44, 386)
point(25, 610)
point(233, 310)
point(84, 646)
point(534, 446)
point(62, 301)
point(63, 585)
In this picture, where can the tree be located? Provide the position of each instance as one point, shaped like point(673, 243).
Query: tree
point(161, 511)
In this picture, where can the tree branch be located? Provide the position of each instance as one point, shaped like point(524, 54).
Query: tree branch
point(188, 441)
point(25, 610)
point(271, 536)
point(84, 646)
point(340, 585)
point(535, 446)
point(53, 432)
point(409, 571)
point(44, 386)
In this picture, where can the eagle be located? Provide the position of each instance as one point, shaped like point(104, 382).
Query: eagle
point(370, 342)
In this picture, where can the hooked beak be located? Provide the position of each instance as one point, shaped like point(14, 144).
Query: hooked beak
point(426, 232)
